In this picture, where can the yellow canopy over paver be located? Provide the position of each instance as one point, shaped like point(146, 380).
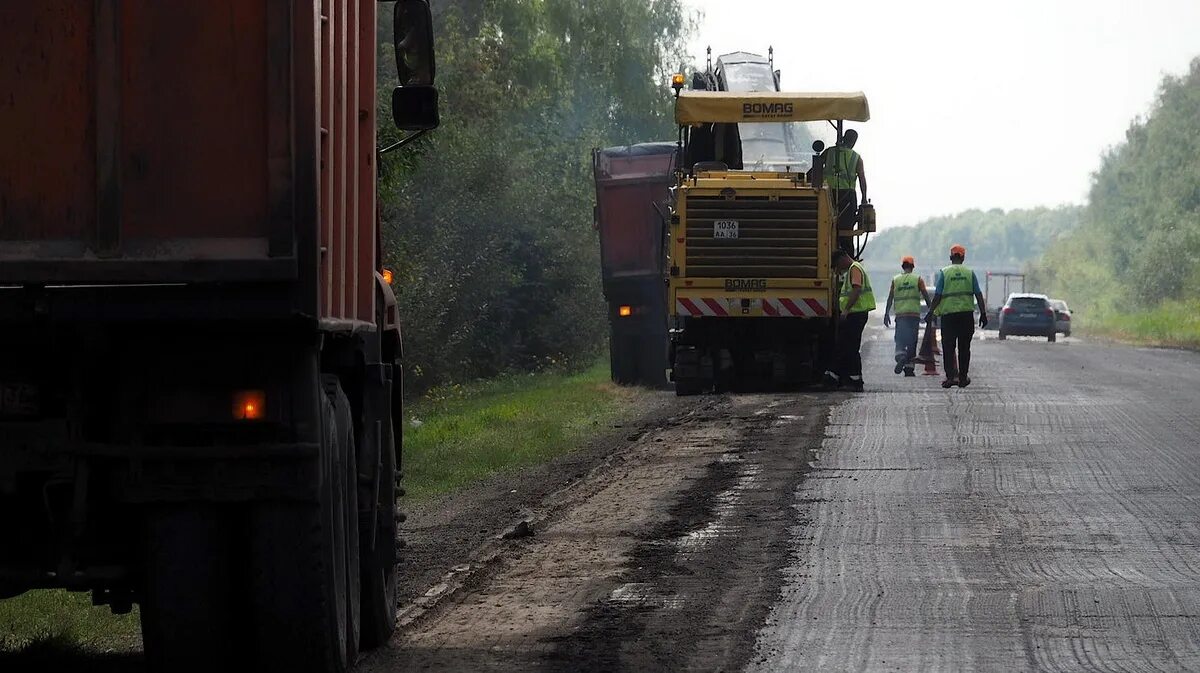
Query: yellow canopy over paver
point(700, 107)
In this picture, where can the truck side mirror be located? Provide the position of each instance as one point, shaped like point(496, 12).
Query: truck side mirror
point(415, 101)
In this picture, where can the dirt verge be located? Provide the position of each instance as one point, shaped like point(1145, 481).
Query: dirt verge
point(664, 557)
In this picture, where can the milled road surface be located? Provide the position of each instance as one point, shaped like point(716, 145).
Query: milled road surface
point(1046, 518)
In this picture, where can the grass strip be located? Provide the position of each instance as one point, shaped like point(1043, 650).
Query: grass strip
point(62, 621)
point(461, 434)
point(1174, 324)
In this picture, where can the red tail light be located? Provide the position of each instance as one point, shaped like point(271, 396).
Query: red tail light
point(1050, 312)
point(1066, 316)
point(1008, 310)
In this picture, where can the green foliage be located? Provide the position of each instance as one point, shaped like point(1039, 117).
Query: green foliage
point(1171, 323)
point(488, 220)
point(1138, 248)
point(995, 239)
point(465, 433)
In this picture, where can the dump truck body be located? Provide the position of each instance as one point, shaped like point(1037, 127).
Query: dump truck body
point(197, 348)
point(632, 195)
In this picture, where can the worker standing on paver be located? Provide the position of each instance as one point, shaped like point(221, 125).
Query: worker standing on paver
point(842, 167)
point(952, 303)
point(857, 300)
point(906, 293)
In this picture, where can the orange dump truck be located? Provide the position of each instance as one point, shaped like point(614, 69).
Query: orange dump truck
point(198, 381)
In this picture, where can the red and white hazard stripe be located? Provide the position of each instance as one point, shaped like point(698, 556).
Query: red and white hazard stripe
point(799, 307)
point(775, 307)
point(700, 307)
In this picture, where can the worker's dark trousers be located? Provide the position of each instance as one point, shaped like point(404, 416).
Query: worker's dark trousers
point(849, 343)
point(845, 204)
point(957, 330)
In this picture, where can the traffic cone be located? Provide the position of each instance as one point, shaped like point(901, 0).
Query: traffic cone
point(928, 350)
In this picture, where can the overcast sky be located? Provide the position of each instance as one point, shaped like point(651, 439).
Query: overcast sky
point(960, 90)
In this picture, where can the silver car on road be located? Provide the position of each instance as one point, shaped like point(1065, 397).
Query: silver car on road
point(1062, 316)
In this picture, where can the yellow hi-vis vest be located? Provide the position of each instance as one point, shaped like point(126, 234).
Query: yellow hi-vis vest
point(906, 294)
point(841, 168)
point(958, 290)
point(866, 298)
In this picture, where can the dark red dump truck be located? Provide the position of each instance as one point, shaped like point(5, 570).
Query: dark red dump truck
point(632, 194)
point(199, 391)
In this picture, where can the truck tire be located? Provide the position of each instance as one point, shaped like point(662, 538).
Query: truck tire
point(187, 604)
point(624, 360)
point(1002, 335)
point(379, 563)
point(1052, 337)
point(344, 418)
point(300, 556)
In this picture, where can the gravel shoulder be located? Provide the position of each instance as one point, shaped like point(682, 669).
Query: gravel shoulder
point(665, 556)
point(445, 532)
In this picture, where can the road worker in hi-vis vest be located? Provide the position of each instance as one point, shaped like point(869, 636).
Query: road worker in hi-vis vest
point(954, 298)
point(856, 301)
point(905, 295)
point(841, 168)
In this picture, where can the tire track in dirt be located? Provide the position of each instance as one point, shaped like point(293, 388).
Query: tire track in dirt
point(665, 560)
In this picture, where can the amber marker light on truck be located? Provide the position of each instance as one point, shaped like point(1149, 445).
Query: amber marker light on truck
point(624, 311)
point(249, 405)
point(388, 276)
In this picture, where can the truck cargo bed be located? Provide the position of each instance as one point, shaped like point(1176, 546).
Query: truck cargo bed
point(191, 142)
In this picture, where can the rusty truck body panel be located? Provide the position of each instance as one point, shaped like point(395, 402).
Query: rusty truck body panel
point(221, 141)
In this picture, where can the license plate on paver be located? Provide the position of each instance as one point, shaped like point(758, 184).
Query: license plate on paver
point(725, 229)
point(1028, 315)
point(19, 399)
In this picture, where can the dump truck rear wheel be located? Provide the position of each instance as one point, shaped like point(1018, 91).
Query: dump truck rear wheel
point(300, 554)
point(379, 564)
point(344, 417)
point(623, 353)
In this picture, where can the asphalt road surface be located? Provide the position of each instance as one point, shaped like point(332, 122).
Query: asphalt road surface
point(1045, 518)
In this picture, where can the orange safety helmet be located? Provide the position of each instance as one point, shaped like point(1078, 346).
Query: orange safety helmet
point(908, 259)
point(957, 249)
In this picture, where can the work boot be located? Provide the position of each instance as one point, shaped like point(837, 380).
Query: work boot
point(964, 381)
point(950, 382)
point(908, 371)
point(851, 383)
point(899, 367)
